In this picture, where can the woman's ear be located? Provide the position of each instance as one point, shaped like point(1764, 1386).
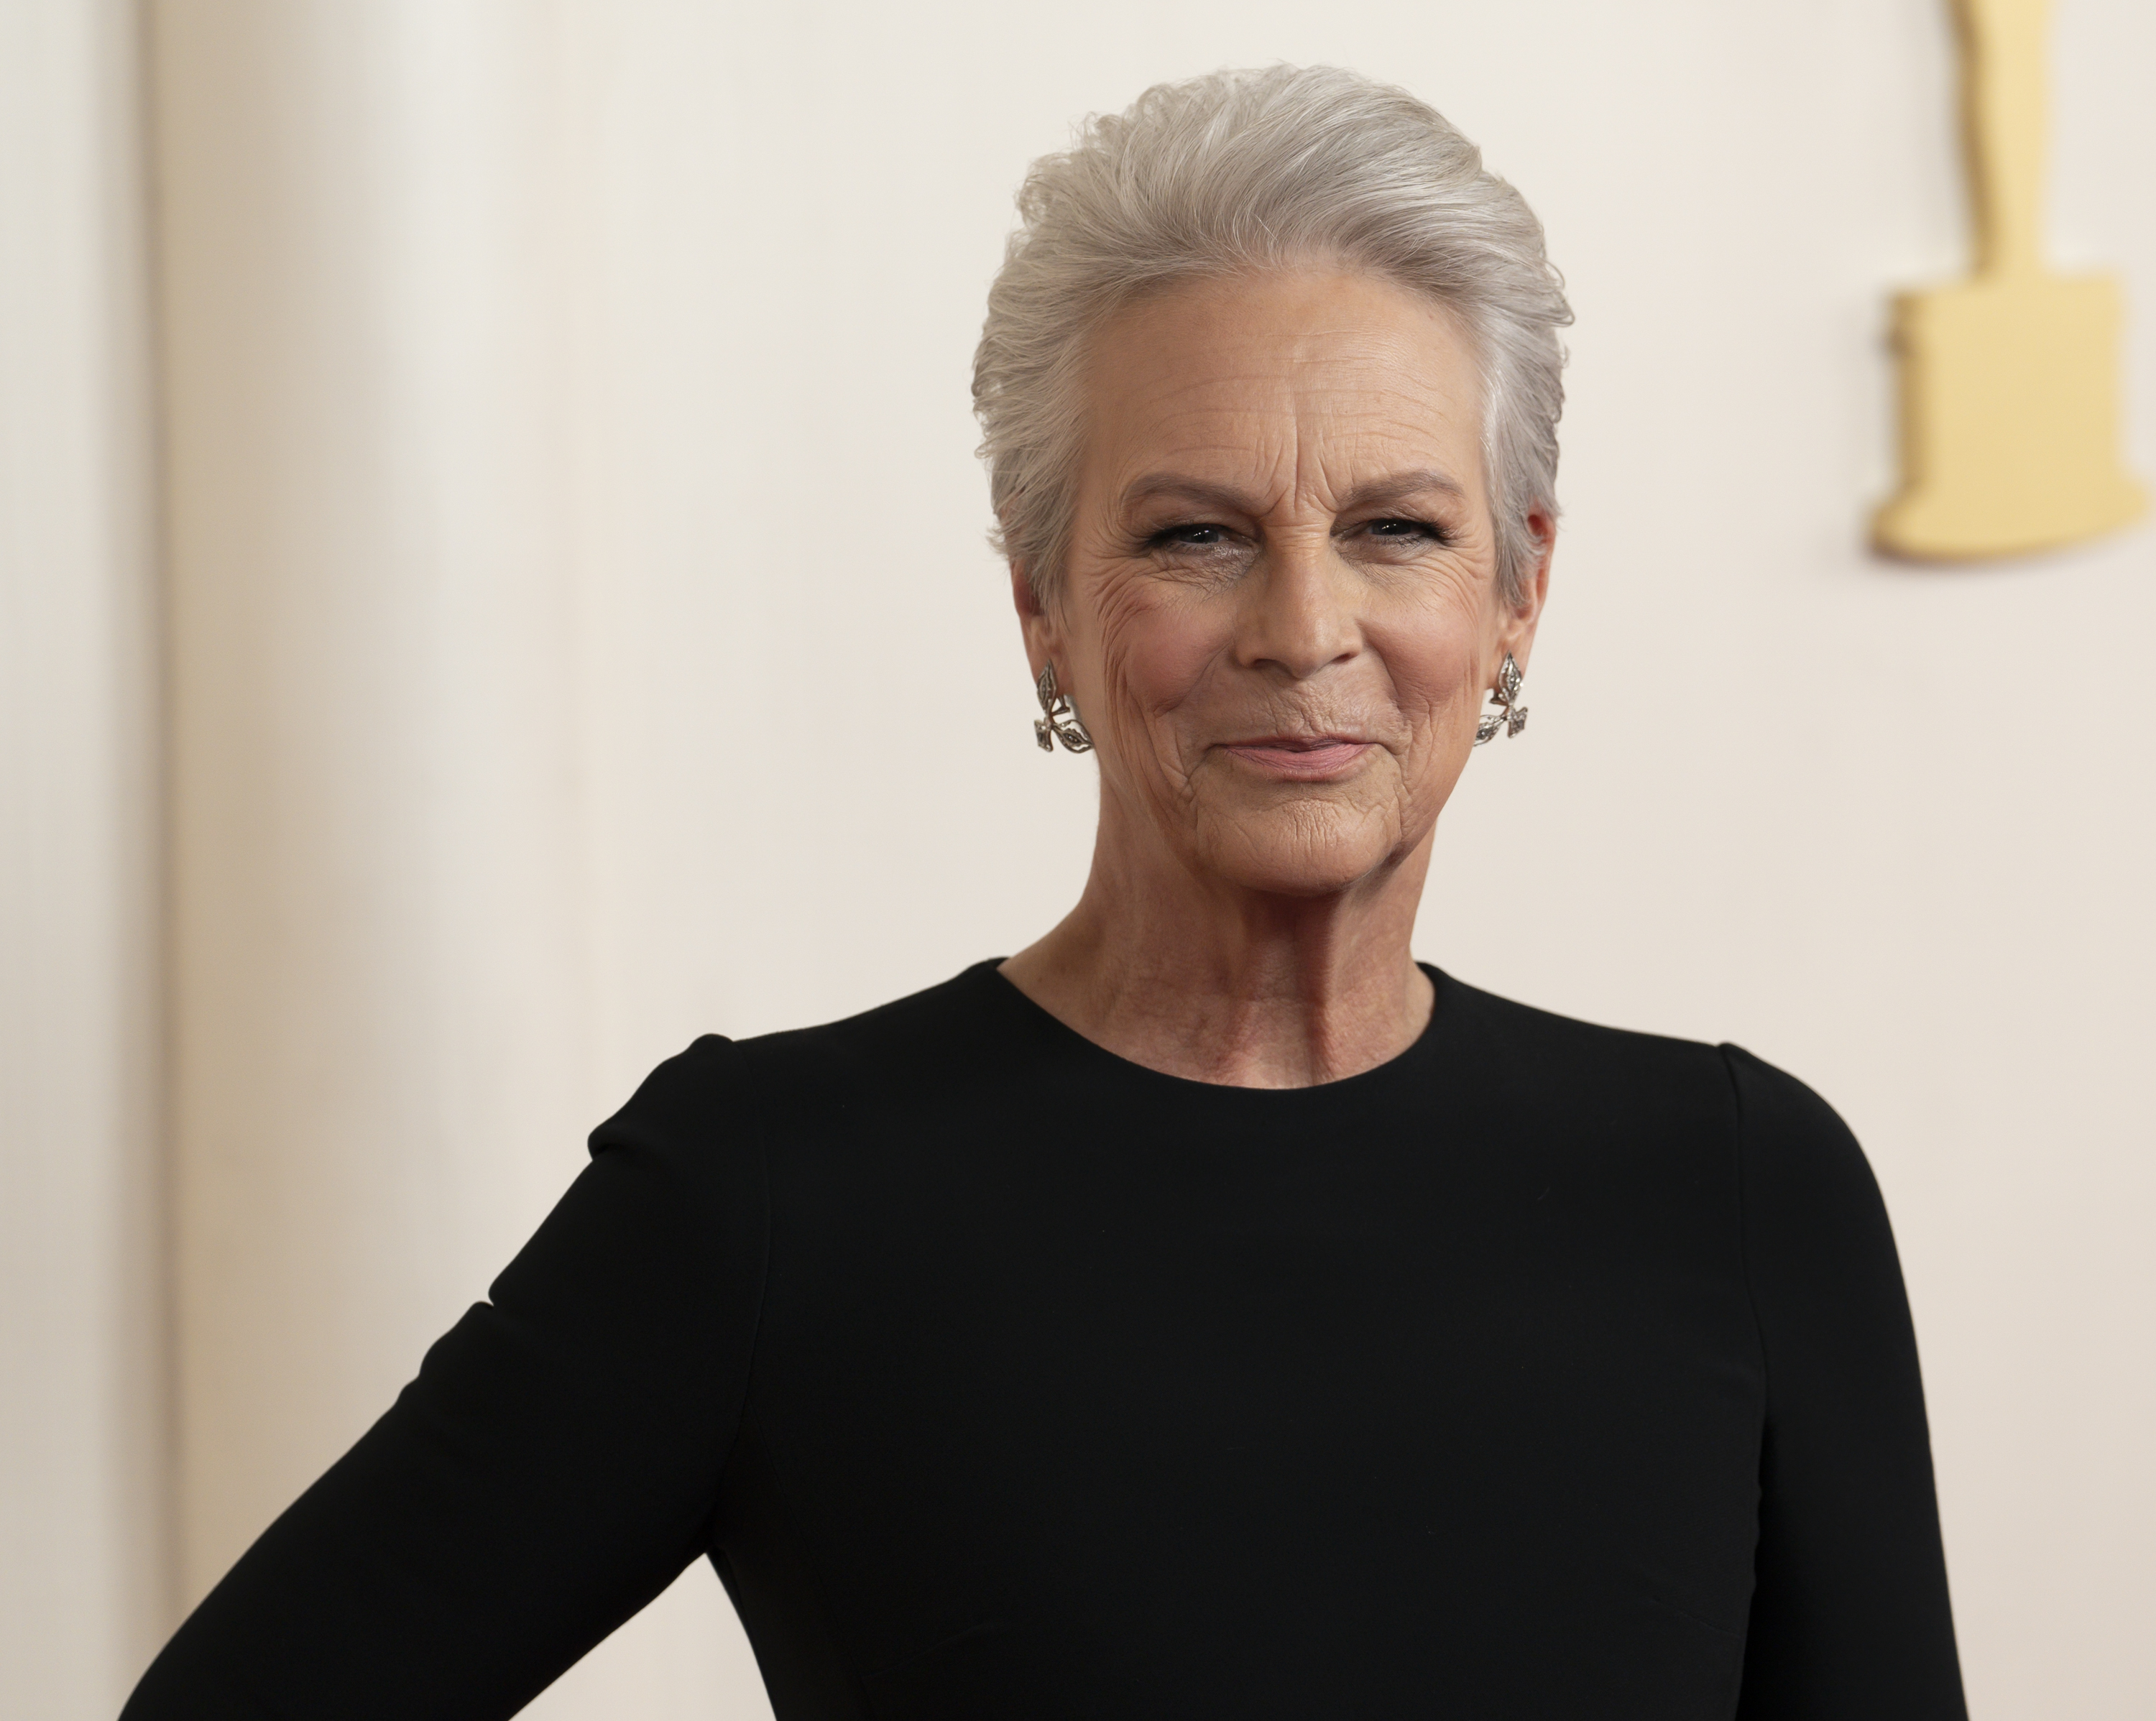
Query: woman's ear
point(1035, 620)
point(1516, 631)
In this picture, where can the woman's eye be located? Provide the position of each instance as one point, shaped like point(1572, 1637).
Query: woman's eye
point(1196, 537)
point(1398, 528)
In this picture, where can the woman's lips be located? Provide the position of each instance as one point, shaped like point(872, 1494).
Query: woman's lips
point(1302, 758)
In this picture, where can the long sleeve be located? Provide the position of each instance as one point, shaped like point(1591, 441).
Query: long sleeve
point(1850, 1617)
point(553, 1467)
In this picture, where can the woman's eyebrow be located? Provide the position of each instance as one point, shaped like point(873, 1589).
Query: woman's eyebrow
point(1393, 486)
point(1225, 497)
point(1400, 486)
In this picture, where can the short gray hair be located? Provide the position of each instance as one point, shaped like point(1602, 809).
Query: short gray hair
point(1245, 170)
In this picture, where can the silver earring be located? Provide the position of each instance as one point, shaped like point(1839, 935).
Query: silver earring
point(1510, 717)
point(1060, 719)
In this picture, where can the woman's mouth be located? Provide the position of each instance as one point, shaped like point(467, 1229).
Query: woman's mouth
point(1300, 758)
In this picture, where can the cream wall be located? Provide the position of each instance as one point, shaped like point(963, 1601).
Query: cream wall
point(581, 637)
point(84, 1478)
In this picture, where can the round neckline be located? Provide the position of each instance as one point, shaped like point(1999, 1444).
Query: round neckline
point(1413, 1053)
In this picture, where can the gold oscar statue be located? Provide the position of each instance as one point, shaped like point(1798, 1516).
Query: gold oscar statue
point(2010, 379)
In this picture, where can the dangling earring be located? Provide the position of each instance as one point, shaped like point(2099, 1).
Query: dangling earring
point(1509, 717)
point(1060, 718)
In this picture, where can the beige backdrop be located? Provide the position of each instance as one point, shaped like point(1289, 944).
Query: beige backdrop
point(579, 635)
point(86, 1476)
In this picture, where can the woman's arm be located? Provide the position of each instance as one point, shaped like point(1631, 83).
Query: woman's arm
point(553, 1467)
point(1850, 1618)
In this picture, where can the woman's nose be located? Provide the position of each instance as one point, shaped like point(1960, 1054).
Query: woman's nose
point(1299, 613)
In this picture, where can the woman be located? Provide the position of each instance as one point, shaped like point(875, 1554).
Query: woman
point(1207, 1311)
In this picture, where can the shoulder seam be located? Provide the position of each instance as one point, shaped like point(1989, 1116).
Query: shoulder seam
point(1743, 1241)
point(754, 1109)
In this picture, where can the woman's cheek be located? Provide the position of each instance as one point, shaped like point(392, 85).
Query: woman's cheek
point(1432, 673)
point(1157, 654)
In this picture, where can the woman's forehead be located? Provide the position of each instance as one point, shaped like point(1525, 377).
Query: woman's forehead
point(1337, 381)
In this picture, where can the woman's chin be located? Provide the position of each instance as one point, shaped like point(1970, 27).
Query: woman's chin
point(1299, 851)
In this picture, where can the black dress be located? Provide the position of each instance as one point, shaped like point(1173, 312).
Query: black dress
point(1544, 1371)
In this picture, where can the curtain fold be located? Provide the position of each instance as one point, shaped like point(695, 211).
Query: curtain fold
point(86, 1553)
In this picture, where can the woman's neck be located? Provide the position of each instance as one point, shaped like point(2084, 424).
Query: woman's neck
point(1217, 983)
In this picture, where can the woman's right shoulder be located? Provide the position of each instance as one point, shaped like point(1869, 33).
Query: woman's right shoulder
point(722, 1087)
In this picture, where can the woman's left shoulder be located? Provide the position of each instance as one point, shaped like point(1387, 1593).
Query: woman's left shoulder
point(1721, 1090)
point(1522, 1046)
point(1802, 1172)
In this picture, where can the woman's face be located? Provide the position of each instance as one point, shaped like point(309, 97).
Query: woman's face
point(1280, 613)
